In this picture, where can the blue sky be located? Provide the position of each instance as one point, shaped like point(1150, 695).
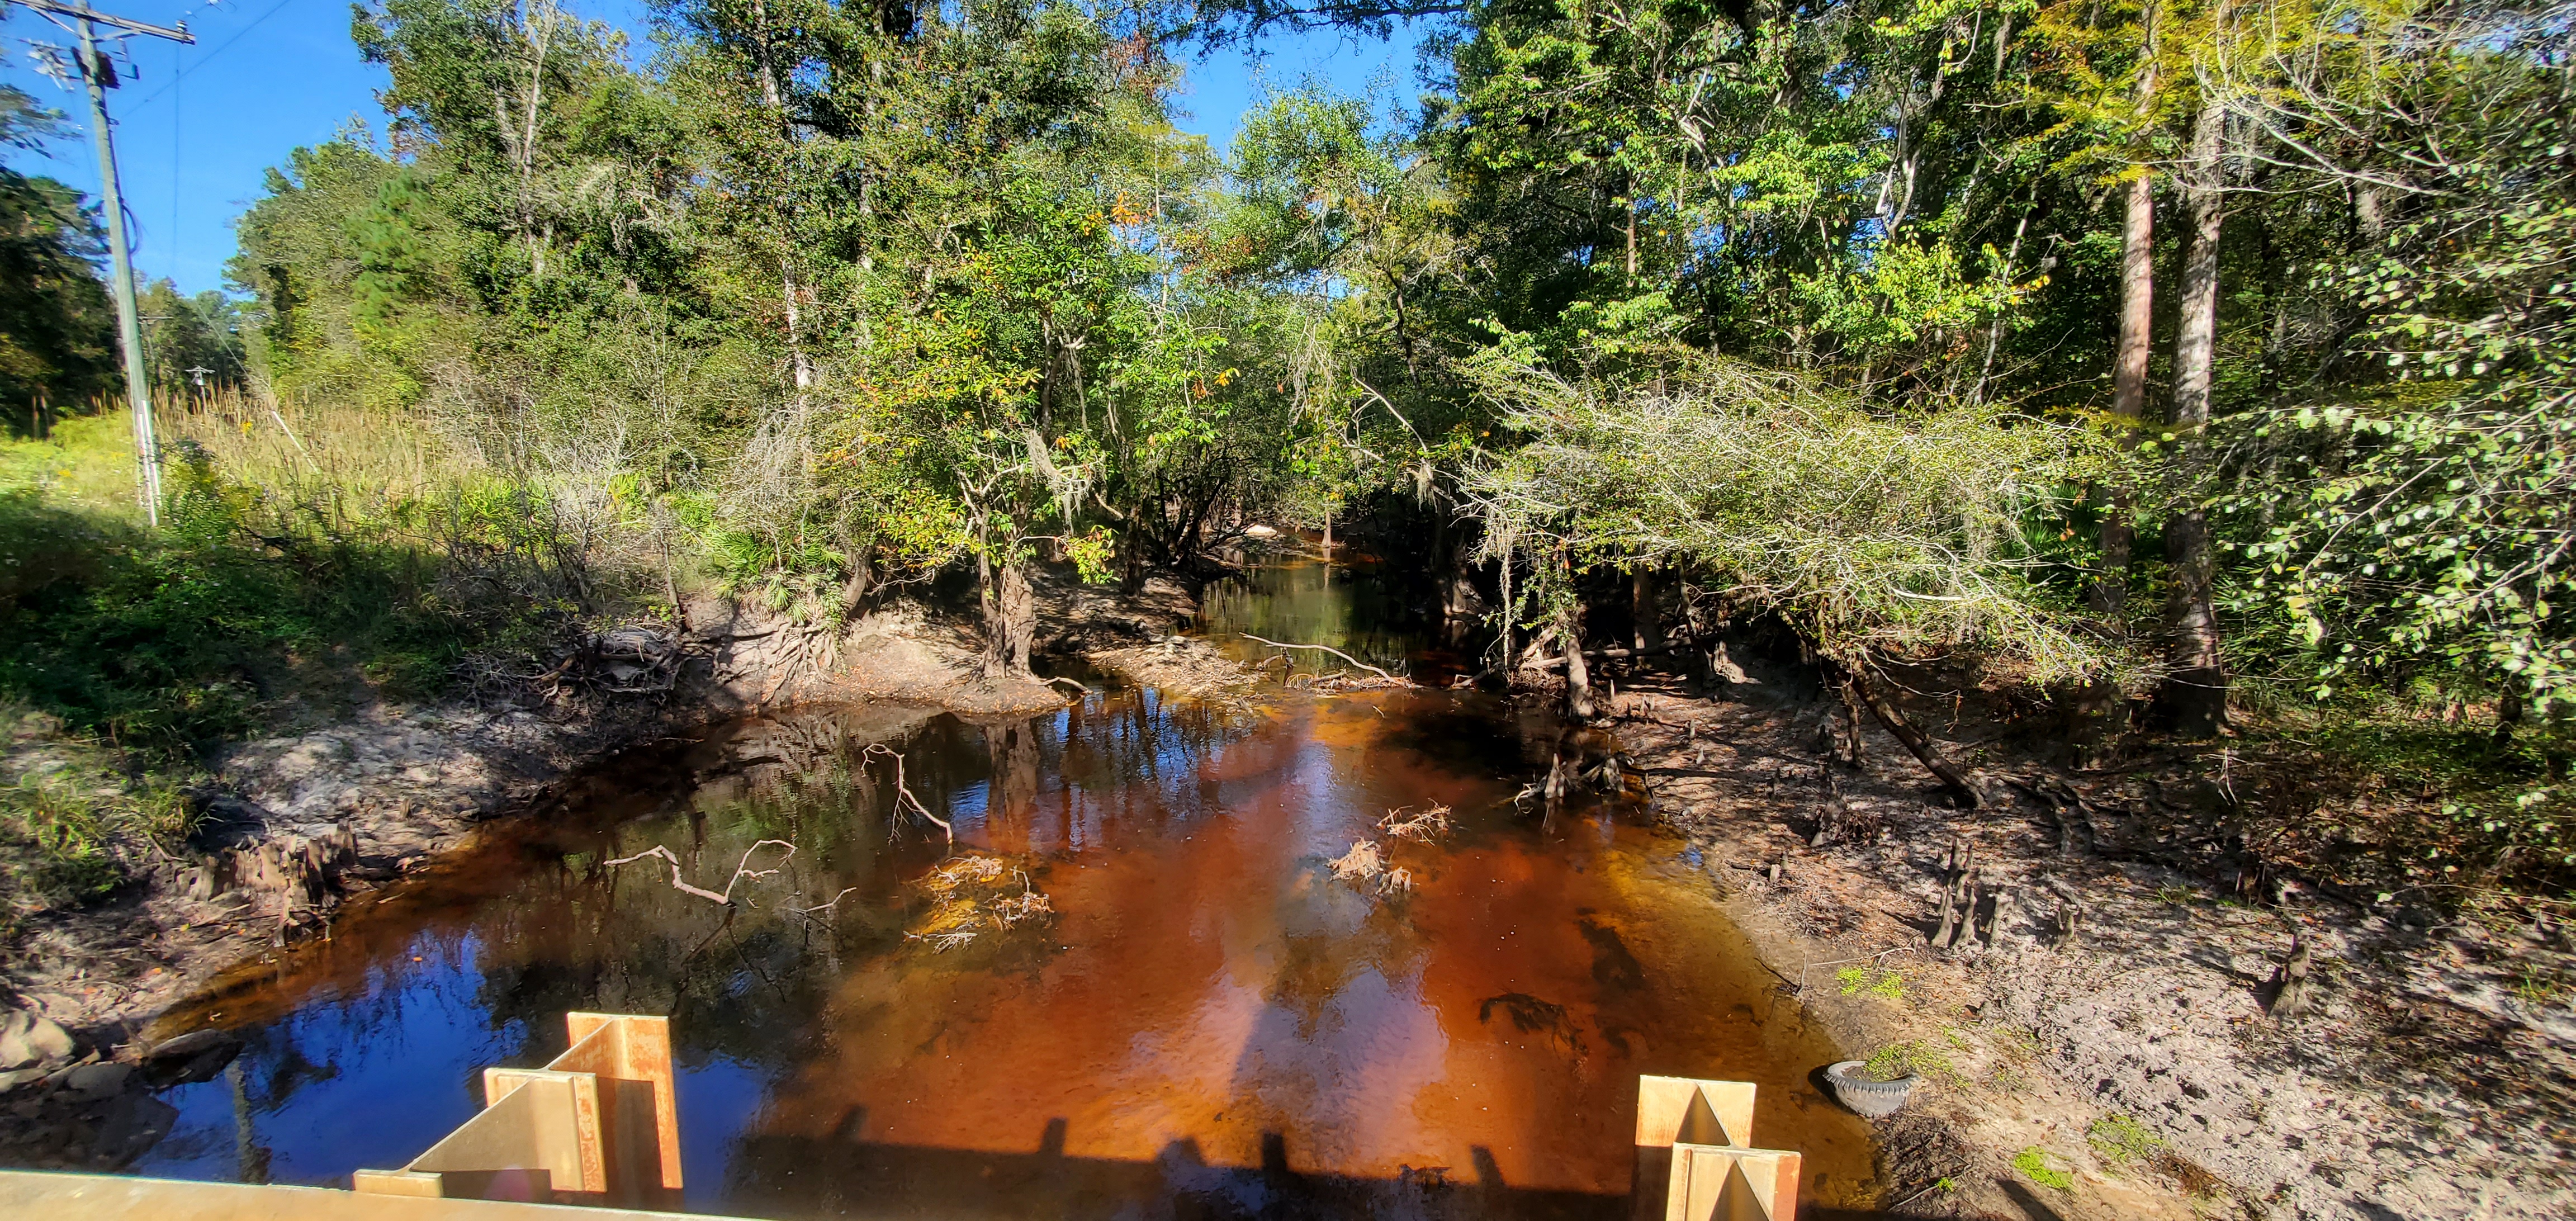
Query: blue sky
point(197, 131)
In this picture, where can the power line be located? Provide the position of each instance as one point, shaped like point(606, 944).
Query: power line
point(218, 49)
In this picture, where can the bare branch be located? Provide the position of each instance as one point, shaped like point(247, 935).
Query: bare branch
point(742, 869)
point(1324, 647)
point(903, 792)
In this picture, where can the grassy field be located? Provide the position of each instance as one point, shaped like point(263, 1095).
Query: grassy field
point(304, 563)
point(87, 462)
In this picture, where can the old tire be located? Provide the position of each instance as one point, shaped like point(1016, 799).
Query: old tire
point(1875, 1099)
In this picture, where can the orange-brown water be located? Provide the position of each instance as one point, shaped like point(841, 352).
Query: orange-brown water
point(1211, 1025)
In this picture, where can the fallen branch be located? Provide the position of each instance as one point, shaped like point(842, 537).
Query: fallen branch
point(835, 901)
point(904, 792)
point(1078, 688)
point(1922, 747)
point(1547, 664)
point(1425, 827)
point(742, 869)
point(1325, 648)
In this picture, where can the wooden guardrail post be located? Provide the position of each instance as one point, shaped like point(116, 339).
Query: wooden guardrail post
point(598, 1124)
point(1696, 1160)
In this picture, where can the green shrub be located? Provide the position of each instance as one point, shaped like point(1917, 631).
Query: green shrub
point(174, 640)
point(53, 846)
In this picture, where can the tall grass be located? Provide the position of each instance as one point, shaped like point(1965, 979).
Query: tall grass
point(70, 831)
point(302, 547)
point(87, 461)
point(347, 462)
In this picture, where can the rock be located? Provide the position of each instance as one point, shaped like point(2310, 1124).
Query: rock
point(31, 1038)
point(195, 1056)
point(98, 1080)
point(133, 1124)
point(188, 1046)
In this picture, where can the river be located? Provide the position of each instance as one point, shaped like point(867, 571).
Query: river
point(1210, 1023)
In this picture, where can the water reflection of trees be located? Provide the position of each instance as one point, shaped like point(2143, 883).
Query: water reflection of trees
point(478, 965)
point(1315, 604)
point(1332, 933)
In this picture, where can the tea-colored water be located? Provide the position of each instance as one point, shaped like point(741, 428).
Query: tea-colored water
point(1211, 1025)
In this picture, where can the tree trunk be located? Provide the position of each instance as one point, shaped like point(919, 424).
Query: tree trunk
point(1131, 554)
point(1851, 745)
point(2129, 383)
point(1921, 747)
point(1459, 601)
point(1578, 677)
point(854, 592)
point(1010, 621)
point(790, 294)
point(1646, 624)
point(2509, 710)
point(2196, 689)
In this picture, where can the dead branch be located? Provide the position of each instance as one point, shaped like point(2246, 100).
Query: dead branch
point(1425, 827)
point(1322, 647)
point(1915, 742)
point(742, 869)
point(904, 792)
point(834, 901)
point(1362, 863)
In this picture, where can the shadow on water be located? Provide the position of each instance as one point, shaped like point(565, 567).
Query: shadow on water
point(1211, 1025)
point(857, 1177)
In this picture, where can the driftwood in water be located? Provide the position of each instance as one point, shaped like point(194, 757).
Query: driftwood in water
point(1322, 647)
point(903, 792)
point(742, 869)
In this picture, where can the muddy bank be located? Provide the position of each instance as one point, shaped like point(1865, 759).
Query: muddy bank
point(296, 825)
point(2103, 1041)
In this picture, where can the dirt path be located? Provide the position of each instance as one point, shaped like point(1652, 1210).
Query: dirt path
point(2134, 1068)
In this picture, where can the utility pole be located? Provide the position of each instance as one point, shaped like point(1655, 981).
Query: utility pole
point(100, 76)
